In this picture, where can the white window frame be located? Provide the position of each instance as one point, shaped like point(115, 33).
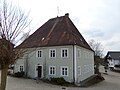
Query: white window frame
point(52, 53)
point(79, 70)
point(37, 53)
point(20, 67)
point(64, 53)
point(64, 70)
point(52, 70)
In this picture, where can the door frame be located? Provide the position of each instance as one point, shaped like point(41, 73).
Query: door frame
point(36, 71)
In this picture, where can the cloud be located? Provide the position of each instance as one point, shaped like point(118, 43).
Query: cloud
point(95, 33)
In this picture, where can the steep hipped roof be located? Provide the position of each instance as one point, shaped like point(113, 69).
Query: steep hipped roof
point(56, 32)
point(113, 55)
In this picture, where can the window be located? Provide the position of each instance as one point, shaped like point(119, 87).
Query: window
point(78, 53)
point(64, 71)
point(79, 70)
point(85, 68)
point(52, 53)
point(88, 69)
point(85, 54)
point(39, 54)
point(64, 52)
point(21, 68)
point(52, 70)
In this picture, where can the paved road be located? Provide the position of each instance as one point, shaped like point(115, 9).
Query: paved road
point(112, 82)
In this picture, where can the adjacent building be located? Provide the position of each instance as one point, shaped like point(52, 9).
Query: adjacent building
point(57, 49)
point(113, 59)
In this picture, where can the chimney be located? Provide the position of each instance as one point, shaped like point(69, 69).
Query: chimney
point(67, 14)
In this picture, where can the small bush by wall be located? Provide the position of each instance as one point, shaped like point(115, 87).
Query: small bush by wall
point(58, 81)
point(19, 74)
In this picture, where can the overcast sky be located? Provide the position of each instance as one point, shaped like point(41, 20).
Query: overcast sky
point(95, 19)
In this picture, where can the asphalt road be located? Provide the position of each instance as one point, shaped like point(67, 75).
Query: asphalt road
point(112, 82)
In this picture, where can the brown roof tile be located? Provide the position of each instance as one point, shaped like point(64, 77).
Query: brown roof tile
point(55, 32)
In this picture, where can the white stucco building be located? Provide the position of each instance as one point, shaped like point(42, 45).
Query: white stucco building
point(57, 49)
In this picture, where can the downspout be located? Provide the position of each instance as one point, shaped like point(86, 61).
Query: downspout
point(74, 64)
point(26, 72)
point(44, 67)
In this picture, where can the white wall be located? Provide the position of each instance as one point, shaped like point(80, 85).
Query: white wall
point(86, 62)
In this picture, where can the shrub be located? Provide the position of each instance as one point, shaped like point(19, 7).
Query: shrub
point(19, 74)
point(58, 81)
point(8, 73)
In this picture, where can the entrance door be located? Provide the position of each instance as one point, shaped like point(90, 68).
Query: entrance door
point(39, 71)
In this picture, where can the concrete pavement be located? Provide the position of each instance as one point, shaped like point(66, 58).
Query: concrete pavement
point(112, 82)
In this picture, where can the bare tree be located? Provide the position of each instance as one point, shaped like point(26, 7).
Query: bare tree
point(97, 47)
point(98, 50)
point(12, 22)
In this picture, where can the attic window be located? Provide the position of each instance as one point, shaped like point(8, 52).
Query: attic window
point(43, 38)
point(64, 32)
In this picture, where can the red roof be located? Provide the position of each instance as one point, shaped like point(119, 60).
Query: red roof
point(57, 31)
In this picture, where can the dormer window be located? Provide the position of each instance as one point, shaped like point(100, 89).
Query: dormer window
point(43, 38)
